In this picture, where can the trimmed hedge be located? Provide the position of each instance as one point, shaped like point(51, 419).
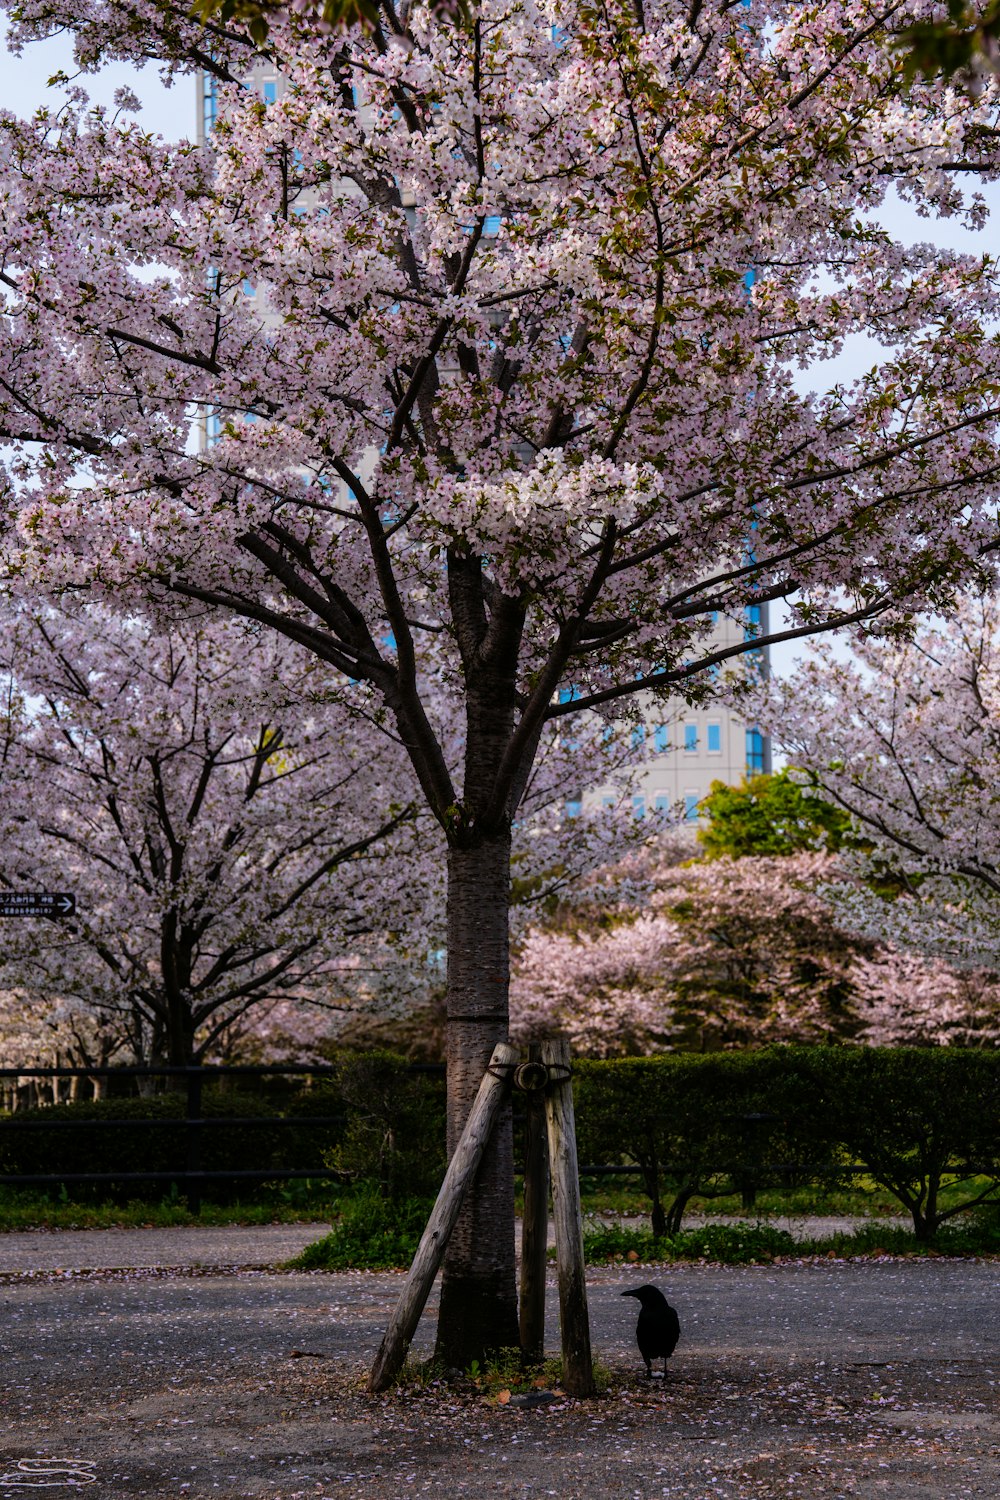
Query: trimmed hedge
point(914, 1118)
point(389, 1129)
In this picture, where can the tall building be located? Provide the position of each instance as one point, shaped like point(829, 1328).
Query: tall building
point(687, 747)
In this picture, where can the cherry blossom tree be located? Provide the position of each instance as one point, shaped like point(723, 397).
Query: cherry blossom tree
point(720, 953)
point(34, 1032)
point(224, 848)
point(907, 999)
point(738, 953)
point(906, 739)
point(228, 872)
point(471, 312)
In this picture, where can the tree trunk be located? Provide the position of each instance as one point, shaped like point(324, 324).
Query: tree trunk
point(650, 1168)
point(478, 1313)
point(675, 1217)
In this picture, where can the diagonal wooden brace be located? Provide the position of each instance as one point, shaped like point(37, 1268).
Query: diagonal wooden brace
point(430, 1252)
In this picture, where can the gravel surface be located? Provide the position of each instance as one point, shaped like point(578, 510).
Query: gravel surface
point(801, 1379)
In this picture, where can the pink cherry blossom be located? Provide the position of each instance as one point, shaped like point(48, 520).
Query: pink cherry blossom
point(906, 738)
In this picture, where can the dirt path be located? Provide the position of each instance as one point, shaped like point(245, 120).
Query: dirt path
point(800, 1380)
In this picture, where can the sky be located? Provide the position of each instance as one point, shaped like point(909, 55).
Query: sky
point(173, 113)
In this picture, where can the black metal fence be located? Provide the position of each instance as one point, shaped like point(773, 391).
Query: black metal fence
point(192, 1176)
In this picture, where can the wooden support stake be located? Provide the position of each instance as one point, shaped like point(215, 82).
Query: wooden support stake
point(430, 1252)
point(578, 1369)
point(535, 1224)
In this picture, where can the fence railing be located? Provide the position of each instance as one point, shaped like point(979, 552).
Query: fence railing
point(193, 1176)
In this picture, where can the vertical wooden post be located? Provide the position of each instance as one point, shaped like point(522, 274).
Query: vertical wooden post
point(535, 1224)
point(430, 1252)
point(578, 1369)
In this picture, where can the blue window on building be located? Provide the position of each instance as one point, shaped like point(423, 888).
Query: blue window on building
point(569, 740)
point(270, 91)
point(607, 801)
point(210, 106)
point(213, 427)
point(249, 290)
point(639, 735)
point(714, 735)
point(690, 737)
point(690, 806)
point(756, 753)
point(662, 802)
point(754, 616)
point(574, 807)
point(661, 737)
point(491, 228)
point(638, 807)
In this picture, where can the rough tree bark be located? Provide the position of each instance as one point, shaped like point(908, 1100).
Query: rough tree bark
point(478, 1310)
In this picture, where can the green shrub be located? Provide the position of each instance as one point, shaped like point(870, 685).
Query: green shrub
point(917, 1119)
point(698, 1125)
point(734, 1244)
point(372, 1234)
point(395, 1131)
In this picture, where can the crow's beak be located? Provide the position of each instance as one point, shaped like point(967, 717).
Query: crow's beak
point(630, 1294)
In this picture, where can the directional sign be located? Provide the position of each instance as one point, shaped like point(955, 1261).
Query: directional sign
point(36, 904)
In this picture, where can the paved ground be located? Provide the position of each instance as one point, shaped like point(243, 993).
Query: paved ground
point(89, 1249)
point(823, 1379)
point(247, 1245)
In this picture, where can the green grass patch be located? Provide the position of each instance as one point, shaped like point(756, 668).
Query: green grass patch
point(26, 1210)
point(371, 1233)
point(734, 1244)
point(974, 1235)
point(865, 1199)
point(749, 1244)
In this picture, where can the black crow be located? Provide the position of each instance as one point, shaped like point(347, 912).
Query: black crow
point(658, 1328)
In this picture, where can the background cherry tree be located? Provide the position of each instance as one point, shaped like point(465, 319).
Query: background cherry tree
point(662, 953)
point(206, 806)
point(720, 952)
point(906, 738)
point(245, 888)
point(905, 999)
point(502, 392)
